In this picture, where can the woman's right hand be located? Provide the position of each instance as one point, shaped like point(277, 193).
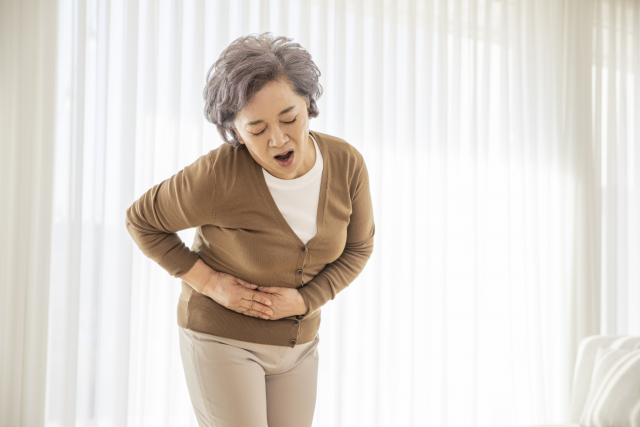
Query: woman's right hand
point(237, 295)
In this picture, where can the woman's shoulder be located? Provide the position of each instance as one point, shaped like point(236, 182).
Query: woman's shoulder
point(226, 158)
point(338, 148)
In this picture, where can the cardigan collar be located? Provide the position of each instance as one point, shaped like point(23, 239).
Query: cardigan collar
point(273, 207)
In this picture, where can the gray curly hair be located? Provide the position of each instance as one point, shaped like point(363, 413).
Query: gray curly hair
point(245, 66)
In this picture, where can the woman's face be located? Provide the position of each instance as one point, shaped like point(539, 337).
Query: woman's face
point(275, 120)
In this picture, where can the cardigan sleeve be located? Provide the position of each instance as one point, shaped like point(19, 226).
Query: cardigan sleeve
point(186, 200)
point(336, 276)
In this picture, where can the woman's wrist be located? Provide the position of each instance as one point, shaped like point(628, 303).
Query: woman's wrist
point(199, 276)
point(303, 305)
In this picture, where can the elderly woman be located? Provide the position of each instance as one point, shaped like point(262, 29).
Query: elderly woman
point(284, 223)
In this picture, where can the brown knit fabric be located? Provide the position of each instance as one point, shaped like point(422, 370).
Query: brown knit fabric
point(240, 231)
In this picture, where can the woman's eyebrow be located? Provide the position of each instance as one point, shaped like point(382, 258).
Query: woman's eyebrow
point(286, 110)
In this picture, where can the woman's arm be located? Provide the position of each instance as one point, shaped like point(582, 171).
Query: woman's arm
point(185, 200)
point(340, 273)
point(199, 275)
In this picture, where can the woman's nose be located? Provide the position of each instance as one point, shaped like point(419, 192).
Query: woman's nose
point(278, 136)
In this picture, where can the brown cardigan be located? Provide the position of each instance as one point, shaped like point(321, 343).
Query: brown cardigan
point(240, 231)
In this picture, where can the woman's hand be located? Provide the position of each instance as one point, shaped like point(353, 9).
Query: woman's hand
point(238, 295)
point(285, 301)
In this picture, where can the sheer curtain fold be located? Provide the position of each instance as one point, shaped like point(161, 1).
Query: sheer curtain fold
point(28, 31)
point(617, 83)
point(504, 158)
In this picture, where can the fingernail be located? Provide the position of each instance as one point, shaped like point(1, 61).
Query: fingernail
point(268, 302)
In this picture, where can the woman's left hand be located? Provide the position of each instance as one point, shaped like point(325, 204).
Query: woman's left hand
point(285, 302)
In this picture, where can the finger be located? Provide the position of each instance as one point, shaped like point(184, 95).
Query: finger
point(254, 296)
point(254, 313)
point(261, 315)
point(247, 284)
point(255, 305)
point(264, 288)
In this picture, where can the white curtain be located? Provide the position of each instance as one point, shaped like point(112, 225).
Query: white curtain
point(616, 130)
point(504, 158)
point(27, 132)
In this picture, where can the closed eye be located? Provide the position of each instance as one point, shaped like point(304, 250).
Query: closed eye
point(260, 133)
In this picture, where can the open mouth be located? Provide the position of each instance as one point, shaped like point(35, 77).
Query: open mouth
point(285, 159)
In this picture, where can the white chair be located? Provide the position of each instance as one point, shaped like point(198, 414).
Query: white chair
point(585, 361)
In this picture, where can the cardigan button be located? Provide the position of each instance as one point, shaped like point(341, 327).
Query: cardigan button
point(293, 341)
point(299, 271)
point(304, 249)
point(296, 323)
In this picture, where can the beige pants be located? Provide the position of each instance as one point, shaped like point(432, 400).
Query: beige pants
point(241, 384)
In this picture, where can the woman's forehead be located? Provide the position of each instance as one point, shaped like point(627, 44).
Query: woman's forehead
point(286, 110)
point(269, 103)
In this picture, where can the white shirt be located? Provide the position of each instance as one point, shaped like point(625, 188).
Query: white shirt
point(298, 198)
